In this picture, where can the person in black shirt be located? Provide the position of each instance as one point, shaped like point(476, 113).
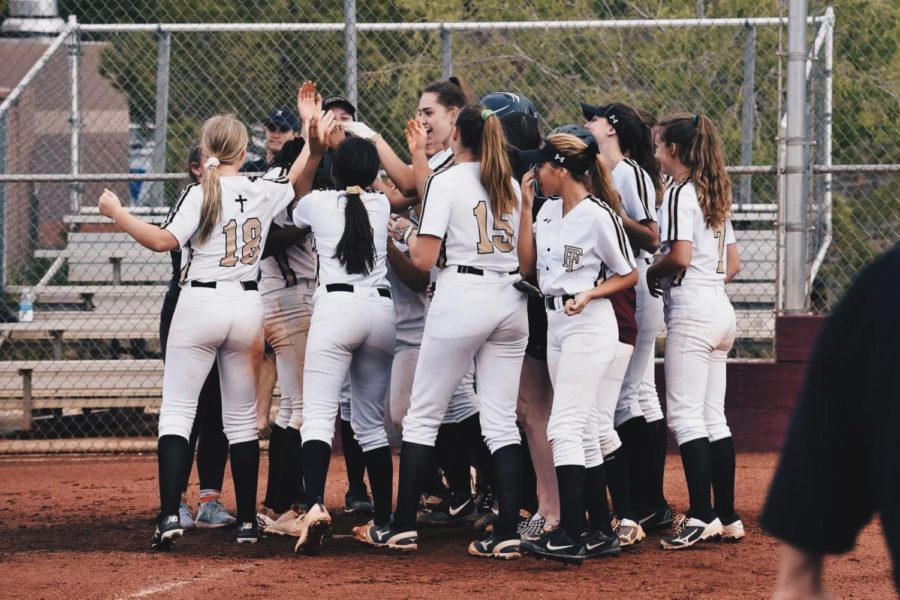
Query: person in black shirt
point(281, 126)
point(841, 459)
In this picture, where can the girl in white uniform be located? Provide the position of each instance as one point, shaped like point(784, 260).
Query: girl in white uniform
point(221, 227)
point(637, 462)
point(471, 212)
point(581, 254)
point(699, 257)
point(352, 330)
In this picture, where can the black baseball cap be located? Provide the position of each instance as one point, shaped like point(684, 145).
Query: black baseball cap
point(547, 152)
point(283, 117)
point(340, 102)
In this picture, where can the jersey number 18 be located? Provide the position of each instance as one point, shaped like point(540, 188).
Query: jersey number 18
point(251, 232)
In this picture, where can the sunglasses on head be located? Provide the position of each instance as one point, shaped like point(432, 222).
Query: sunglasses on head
point(272, 127)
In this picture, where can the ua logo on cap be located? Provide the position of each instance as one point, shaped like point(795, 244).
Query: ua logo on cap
point(559, 158)
point(279, 113)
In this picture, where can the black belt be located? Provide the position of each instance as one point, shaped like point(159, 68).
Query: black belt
point(649, 261)
point(477, 271)
point(346, 287)
point(247, 285)
point(550, 301)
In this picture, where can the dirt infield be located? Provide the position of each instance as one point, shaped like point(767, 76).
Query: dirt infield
point(79, 528)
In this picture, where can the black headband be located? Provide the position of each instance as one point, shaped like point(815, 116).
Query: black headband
point(547, 152)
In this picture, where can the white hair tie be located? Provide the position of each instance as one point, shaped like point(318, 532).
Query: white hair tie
point(212, 161)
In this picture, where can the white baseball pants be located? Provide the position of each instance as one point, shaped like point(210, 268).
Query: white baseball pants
point(638, 397)
point(602, 415)
point(224, 323)
point(288, 312)
point(580, 350)
point(480, 317)
point(350, 332)
point(701, 330)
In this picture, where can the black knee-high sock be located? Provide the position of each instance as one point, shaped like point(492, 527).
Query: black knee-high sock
point(381, 479)
point(595, 502)
point(570, 480)
point(452, 452)
point(723, 467)
point(415, 461)
point(659, 437)
point(173, 454)
point(508, 472)
point(290, 470)
point(316, 457)
point(353, 458)
point(212, 448)
point(697, 459)
point(274, 458)
point(635, 437)
point(193, 443)
point(245, 474)
point(616, 465)
point(481, 454)
point(528, 498)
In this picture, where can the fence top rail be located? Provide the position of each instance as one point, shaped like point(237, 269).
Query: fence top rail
point(101, 177)
point(443, 26)
point(36, 68)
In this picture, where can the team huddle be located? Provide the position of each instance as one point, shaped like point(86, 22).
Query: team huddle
point(490, 308)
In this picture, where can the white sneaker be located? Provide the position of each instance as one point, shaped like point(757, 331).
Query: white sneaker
point(311, 530)
point(213, 515)
point(688, 532)
point(629, 532)
point(733, 531)
point(288, 523)
point(265, 518)
point(184, 516)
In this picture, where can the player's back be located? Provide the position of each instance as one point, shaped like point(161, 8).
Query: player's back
point(233, 250)
point(457, 209)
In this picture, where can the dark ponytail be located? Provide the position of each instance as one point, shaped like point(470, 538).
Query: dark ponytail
point(451, 93)
point(355, 167)
point(634, 130)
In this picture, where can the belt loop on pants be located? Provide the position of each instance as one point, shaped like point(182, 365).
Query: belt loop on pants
point(247, 285)
point(346, 287)
point(557, 302)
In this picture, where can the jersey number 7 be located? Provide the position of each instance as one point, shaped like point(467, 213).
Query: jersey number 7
point(251, 231)
point(487, 242)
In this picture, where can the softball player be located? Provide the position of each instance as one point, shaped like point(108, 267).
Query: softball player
point(352, 330)
point(286, 285)
point(580, 251)
point(222, 225)
point(699, 257)
point(207, 436)
point(471, 211)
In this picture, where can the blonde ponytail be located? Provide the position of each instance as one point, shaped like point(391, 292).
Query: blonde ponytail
point(223, 140)
point(598, 180)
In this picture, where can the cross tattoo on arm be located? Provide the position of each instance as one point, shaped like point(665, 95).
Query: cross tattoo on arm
point(240, 199)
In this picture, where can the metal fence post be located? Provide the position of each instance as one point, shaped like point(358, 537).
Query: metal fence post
point(446, 53)
point(350, 49)
point(27, 401)
point(747, 113)
point(796, 165)
point(74, 48)
point(160, 132)
point(3, 187)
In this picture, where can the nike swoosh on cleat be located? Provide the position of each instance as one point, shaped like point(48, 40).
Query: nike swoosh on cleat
point(455, 511)
point(552, 547)
point(592, 546)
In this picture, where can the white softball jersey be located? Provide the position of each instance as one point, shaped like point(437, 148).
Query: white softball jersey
point(579, 249)
point(233, 250)
point(638, 195)
point(460, 214)
point(441, 160)
point(323, 210)
point(285, 268)
point(682, 219)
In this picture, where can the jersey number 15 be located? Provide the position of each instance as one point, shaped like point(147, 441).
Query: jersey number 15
point(502, 241)
point(251, 232)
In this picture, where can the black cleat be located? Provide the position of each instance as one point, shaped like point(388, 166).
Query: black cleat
point(658, 520)
point(247, 532)
point(596, 544)
point(458, 509)
point(358, 504)
point(556, 545)
point(168, 529)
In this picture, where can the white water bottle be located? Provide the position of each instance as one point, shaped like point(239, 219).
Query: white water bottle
point(26, 306)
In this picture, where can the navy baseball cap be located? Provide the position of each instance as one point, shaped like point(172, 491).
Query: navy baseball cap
point(547, 152)
point(340, 102)
point(283, 117)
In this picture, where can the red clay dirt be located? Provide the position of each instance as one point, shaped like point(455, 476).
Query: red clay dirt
point(78, 527)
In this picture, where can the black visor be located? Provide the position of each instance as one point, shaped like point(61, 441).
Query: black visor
point(547, 152)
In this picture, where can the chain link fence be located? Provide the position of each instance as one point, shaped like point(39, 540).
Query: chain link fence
point(115, 96)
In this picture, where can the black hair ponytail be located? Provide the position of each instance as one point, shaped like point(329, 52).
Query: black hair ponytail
point(356, 167)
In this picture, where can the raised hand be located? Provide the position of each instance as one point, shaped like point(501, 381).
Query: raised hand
point(528, 189)
point(109, 203)
point(309, 102)
point(416, 136)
